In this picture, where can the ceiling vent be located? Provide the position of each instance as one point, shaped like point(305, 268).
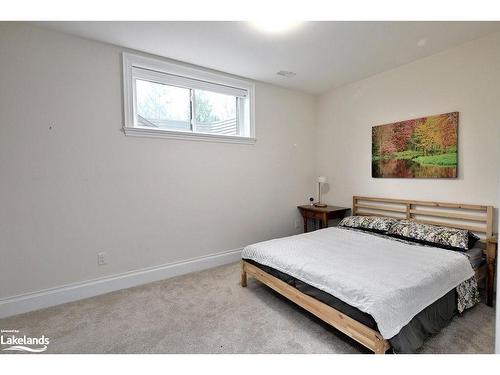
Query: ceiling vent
point(286, 74)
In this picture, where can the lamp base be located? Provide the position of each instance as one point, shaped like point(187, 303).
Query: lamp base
point(321, 205)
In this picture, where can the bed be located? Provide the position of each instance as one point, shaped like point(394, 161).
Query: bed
point(382, 292)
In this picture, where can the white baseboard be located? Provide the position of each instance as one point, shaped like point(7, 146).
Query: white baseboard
point(72, 292)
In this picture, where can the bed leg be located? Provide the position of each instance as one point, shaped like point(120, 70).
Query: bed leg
point(380, 349)
point(491, 254)
point(490, 277)
point(381, 346)
point(243, 275)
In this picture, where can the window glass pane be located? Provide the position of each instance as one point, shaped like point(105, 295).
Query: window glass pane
point(215, 113)
point(162, 106)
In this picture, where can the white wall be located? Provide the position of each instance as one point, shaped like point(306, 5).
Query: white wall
point(464, 79)
point(497, 334)
point(73, 184)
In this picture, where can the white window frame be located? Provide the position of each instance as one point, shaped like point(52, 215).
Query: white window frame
point(184, 72)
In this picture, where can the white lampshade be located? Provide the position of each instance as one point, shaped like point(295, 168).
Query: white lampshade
point(322, 179)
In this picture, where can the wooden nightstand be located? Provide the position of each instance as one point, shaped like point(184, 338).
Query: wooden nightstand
point(323, 214)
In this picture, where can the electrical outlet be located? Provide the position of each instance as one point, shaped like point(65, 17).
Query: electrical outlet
point(102, 258)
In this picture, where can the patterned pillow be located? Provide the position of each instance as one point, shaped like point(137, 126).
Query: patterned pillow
point(444, 237)
point(377, 224)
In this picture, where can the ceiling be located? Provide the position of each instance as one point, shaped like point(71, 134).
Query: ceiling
point(322, 54)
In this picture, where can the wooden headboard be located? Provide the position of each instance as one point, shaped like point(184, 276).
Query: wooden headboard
point(476, 218)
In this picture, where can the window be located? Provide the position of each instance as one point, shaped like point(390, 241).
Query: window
point(162, 106)
point(163, 99)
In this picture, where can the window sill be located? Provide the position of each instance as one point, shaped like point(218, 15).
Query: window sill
point(170, 134)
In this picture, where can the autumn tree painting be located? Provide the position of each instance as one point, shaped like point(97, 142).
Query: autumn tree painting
point(423, 147)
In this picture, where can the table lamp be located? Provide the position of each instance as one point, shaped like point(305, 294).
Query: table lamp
point(321, 180)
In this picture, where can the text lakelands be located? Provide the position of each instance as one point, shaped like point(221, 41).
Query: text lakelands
point(24, 340)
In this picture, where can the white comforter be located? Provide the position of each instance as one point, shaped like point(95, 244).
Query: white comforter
point(388, 279)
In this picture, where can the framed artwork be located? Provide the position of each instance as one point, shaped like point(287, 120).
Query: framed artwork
point(425, 147)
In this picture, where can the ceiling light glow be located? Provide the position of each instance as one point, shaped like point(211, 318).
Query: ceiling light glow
point(275, 26)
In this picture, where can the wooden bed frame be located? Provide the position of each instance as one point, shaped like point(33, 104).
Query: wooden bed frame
point(476, 218)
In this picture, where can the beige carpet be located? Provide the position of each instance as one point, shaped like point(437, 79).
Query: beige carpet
point(208, 312)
